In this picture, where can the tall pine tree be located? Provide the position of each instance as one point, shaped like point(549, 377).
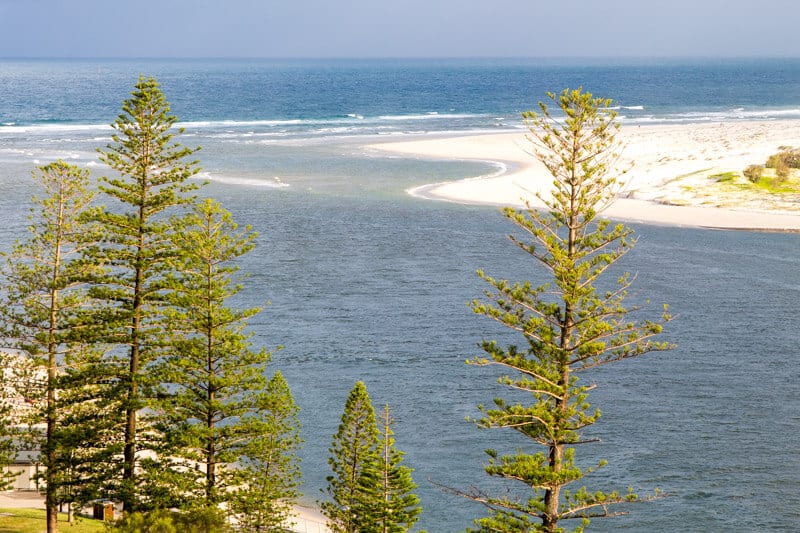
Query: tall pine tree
point(568, 326)
point(151, 184)
point(354, 449)
point(45, 304)
point(218, 409)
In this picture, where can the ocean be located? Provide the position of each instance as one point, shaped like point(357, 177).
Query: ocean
point(361, 281)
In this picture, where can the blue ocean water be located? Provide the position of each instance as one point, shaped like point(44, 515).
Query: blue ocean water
point(367, 282)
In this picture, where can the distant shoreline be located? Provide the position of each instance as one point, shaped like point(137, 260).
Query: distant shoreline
point(669, 183)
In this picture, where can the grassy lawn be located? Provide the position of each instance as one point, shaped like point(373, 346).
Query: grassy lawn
point(33, 521)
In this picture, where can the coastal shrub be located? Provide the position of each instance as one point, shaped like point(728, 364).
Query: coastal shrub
point(753, 173)
point(161, 521)
point(782, 171)
point(786, 156)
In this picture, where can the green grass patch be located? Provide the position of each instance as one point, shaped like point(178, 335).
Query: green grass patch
point(35, 521)
point(725, 177)
point(771, 185)
point(682, 176)
point(775, 185)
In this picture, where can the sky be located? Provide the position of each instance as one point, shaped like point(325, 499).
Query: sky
point(399, 28)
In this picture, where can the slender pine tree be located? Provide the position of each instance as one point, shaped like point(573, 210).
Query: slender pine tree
point(353, 450)
point(210, 376)
point(43, 311)
point(269, 469)
point(218, 410)
point(391, 505)
point(568, 326)
point(151, 184)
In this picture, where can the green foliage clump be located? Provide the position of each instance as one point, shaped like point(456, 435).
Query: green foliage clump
point(161, 521)
point(783, 161)
point(753, 173)
point(786, 156)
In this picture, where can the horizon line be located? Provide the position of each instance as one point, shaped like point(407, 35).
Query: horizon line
point(412, 58)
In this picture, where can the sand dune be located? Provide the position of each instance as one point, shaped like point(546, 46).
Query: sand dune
point(669, 182)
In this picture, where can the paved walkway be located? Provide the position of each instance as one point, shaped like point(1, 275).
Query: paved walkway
point(21, 499)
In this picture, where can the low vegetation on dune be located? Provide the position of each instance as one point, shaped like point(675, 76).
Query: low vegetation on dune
point(778, 175)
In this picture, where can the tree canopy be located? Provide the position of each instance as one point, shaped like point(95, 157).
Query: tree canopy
point(567, 324)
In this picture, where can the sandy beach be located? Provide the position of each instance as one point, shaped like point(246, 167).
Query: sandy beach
point(670, 182)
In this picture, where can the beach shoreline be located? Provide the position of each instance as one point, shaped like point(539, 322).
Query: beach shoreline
point(671, 180)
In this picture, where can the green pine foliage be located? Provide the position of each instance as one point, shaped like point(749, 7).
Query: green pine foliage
point(89, 441)
point(150, 185)
point(161, 521)
point(567, 325)
point(43, 313)
point(218, 410)
point(353, 450)
point(269, 468)
point(391, 506)
point(210, 376)
point(371, 490)
point(151, 394)
point(7, 452)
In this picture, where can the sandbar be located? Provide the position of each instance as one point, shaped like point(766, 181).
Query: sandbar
point(671, 180)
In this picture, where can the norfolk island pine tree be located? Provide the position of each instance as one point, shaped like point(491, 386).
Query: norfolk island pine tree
point(371, 491)
point(151, 184)
point(43, 315)
point(567, 325)
point(353, 448)
point(392, 506)
point(218, 408)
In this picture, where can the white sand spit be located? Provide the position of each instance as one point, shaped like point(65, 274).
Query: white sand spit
point(670, 181)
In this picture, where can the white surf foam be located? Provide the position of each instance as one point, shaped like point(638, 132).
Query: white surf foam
point(274, 183)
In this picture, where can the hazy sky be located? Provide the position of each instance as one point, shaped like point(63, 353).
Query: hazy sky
point(399, 28)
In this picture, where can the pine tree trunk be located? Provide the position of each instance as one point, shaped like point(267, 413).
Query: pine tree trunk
point(552, 495)
point(50, 495)
point(129, 468)
point(129, 473)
